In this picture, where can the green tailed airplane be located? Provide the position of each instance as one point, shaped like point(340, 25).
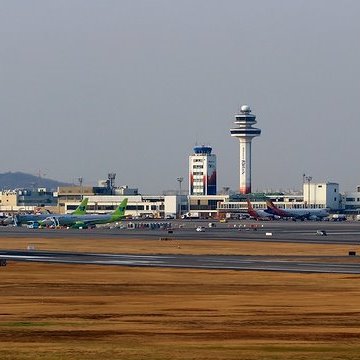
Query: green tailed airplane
point(39, 218)
point(85, 221)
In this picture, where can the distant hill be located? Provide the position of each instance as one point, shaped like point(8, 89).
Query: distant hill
point(17, 180)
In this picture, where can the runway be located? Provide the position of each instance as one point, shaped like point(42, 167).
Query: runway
point(299, 264)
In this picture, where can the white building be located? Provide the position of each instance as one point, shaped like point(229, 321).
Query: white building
point(202, 171)
point(157, 206)
point(258, 201)
point(351, 201)
point(206, 206)
point(322, 195)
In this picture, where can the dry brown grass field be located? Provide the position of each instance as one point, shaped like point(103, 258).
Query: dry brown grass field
point(52, 311)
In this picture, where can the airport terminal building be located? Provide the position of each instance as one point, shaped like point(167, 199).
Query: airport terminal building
point(322, 195)
point(104, 199)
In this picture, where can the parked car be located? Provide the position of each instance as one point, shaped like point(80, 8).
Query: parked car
point(338, 217)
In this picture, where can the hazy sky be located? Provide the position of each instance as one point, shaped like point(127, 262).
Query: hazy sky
point(89, 87)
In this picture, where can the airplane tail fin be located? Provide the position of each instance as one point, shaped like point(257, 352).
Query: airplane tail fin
point(251, 210)
point(81, 209)
point(275, 210)
point(120, 210)
point(270, 204)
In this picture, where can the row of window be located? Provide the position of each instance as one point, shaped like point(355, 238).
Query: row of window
point(113, 207)
point(202, 207)
point(205, 203)
point(262, 206)
point(352, 199)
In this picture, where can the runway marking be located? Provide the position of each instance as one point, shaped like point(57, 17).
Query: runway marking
point(244, 262)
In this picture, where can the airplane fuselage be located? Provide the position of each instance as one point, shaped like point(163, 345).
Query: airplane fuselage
point(71, 220)
point(21, 219)
point(299, 213)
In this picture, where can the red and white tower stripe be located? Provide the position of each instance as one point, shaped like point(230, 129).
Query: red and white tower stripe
point(245, 133)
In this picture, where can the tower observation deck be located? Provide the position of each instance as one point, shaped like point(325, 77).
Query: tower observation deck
point(245, 132)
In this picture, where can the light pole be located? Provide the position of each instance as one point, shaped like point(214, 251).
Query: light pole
point(180, 179)
point(80, 179)
point(308, 179)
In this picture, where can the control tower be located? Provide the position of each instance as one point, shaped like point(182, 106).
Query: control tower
point(202, 171)
point(245, 133)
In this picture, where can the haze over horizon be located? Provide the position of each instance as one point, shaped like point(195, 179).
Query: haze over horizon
point(91, 87)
